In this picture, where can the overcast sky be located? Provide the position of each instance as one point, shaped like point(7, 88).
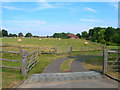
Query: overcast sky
point(43, 18)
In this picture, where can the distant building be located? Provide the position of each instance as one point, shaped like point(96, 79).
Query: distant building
point(72, 36)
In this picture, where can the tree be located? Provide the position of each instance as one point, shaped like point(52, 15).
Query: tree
point(20, 34)
point(91, 32)
point(28, 35)
point(14, 35)
point(101, 36)
point(109, 33)
point(4, 33)
point(60, 35)
point(10, 35)
point(85, 34)
point(78, 34)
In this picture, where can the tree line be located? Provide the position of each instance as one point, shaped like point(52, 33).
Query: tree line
point(107, 36)
point(4, 33)
point(64, 35)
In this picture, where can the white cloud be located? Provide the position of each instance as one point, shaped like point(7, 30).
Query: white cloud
point(12, 8)
point(90, 9)
point(48, 5)
point(90, 20)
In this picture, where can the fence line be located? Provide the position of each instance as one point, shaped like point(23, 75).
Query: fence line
point(29, 60)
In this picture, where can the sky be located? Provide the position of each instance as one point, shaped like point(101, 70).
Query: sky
point(47, 18)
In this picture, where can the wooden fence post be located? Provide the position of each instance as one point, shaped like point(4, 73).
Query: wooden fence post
point(20, 50)
point(55, 50)
point(38, 54)
point(71, 49)
point(105, 57)
point(24, 64)
point(38, 51)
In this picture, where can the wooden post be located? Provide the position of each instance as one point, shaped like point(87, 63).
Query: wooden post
point(38, 51)
point(55, 50)
point(105, 57)
point(20, 50)
point(71, 49)
point(24, 64)
point(38, 54)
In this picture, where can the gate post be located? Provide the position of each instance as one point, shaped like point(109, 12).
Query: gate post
point(105, 58)
point(24, 64)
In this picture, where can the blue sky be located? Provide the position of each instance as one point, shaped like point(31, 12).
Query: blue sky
point(46, 18)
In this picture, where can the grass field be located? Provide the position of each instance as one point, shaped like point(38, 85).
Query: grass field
point(49, 42)
point(11, 77)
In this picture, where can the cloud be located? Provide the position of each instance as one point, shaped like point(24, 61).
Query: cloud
point(89, 20)
point(90, 9)
point(48, 5)
point(12, 8)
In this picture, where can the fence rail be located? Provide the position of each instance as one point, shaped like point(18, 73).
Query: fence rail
point(9, 60)
point(10, 52)
point(10, 67)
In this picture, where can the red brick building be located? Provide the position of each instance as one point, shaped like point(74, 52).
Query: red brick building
point(72, 36)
